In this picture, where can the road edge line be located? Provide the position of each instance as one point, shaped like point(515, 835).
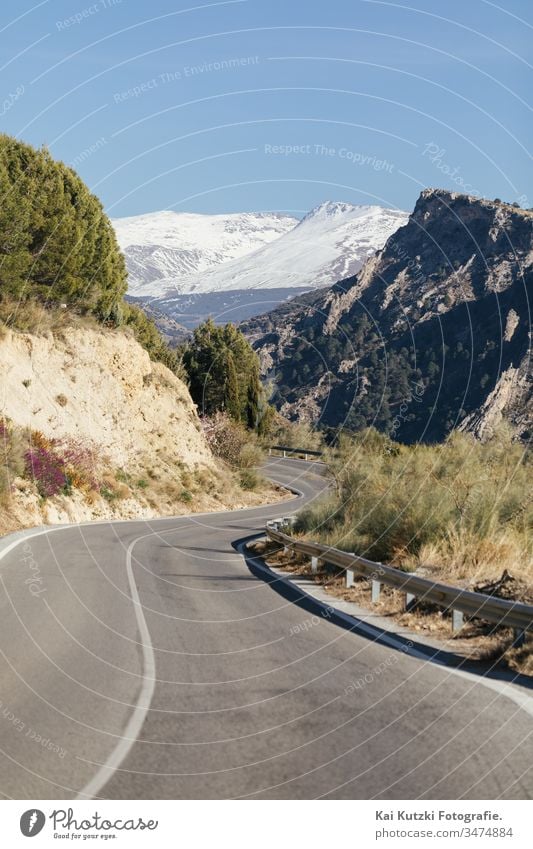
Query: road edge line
point(132, 730)
point(503, 688)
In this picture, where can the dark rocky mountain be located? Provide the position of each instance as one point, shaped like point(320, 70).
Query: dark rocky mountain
point(172, 332)
point(432, 334)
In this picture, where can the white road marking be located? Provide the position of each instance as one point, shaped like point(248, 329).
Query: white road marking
point(135, 723)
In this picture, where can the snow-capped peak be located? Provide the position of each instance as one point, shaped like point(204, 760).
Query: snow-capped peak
point(184, 253)
point(331, 209)
point(167, 243)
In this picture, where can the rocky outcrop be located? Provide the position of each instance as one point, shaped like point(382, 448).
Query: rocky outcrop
point(127, 425)
point(100, 386)
point(433, 333)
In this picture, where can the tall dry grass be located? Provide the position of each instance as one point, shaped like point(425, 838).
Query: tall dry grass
point(462, 509)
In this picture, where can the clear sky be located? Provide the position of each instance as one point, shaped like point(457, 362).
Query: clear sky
point(271, 104)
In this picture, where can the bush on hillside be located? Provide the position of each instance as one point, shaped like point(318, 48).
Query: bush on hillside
point(231, 442)
point(58, 248)
point(12, 451)
point(147, 335)
point(281, 431)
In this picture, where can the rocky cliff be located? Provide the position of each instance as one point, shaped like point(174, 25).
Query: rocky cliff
point(433, 333)
point(92, 428)
point(100, 385)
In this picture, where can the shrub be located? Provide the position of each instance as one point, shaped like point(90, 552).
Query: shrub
point(147, 335)
point(57, 248)
point(281, 431)
point(225, 437)
point(250, 456)
point(47, 470)
point(12, 455)
point(60, 465)
point(230, 441)
point(462, 504)
point(249, 479)
point(57, 242)
point(81, 462)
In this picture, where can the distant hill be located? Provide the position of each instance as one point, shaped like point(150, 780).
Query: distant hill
point(432, 334)
point(172, 332)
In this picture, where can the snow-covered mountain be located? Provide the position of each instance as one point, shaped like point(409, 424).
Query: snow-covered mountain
point(330, 243)
point(184, 253)
point(163, 249)
point(235, 266)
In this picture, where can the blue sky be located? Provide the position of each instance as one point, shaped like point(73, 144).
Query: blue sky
point(230, 106)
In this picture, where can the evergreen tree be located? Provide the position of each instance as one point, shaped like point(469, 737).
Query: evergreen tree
point(231, 394)
point(56, 243)
point(223, 371)
point(255, 397)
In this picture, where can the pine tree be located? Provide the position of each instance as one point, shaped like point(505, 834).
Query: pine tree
point(56, 243)
point(231, 394)
point(255, 395)
point(223, 371)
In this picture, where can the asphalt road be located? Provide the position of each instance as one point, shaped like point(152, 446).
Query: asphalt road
point(149, 662)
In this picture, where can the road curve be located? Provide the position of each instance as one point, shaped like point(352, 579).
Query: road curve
point(149, 662)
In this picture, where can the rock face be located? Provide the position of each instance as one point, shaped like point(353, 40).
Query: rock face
point(95, 390)
point(433, 333)
point(100, 386)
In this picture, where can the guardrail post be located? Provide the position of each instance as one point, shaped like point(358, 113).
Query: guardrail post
point(517, 616)
point(410, 601)
point(284, 453)
point(269, 452)
point(519, 638)
point(457, 620)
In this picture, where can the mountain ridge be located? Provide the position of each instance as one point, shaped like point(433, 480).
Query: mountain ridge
point(443, 306)
point(169, 244)
point(250, 250)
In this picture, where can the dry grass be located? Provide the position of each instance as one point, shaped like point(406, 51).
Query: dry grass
point(31, 316)
point(461, 510)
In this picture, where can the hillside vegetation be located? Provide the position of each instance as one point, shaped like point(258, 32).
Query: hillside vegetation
point(95, 418)
point(59, 257)
point(56, 243)
point(91, 428)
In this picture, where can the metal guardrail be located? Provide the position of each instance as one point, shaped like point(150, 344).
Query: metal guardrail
point(500, 611)
point(286, 450)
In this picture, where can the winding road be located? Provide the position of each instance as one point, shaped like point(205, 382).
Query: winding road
point(146, 659)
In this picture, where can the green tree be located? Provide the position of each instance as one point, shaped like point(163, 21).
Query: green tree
point(231, 388)
point(223, 372)
point(56, 242)
point(58, 246)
